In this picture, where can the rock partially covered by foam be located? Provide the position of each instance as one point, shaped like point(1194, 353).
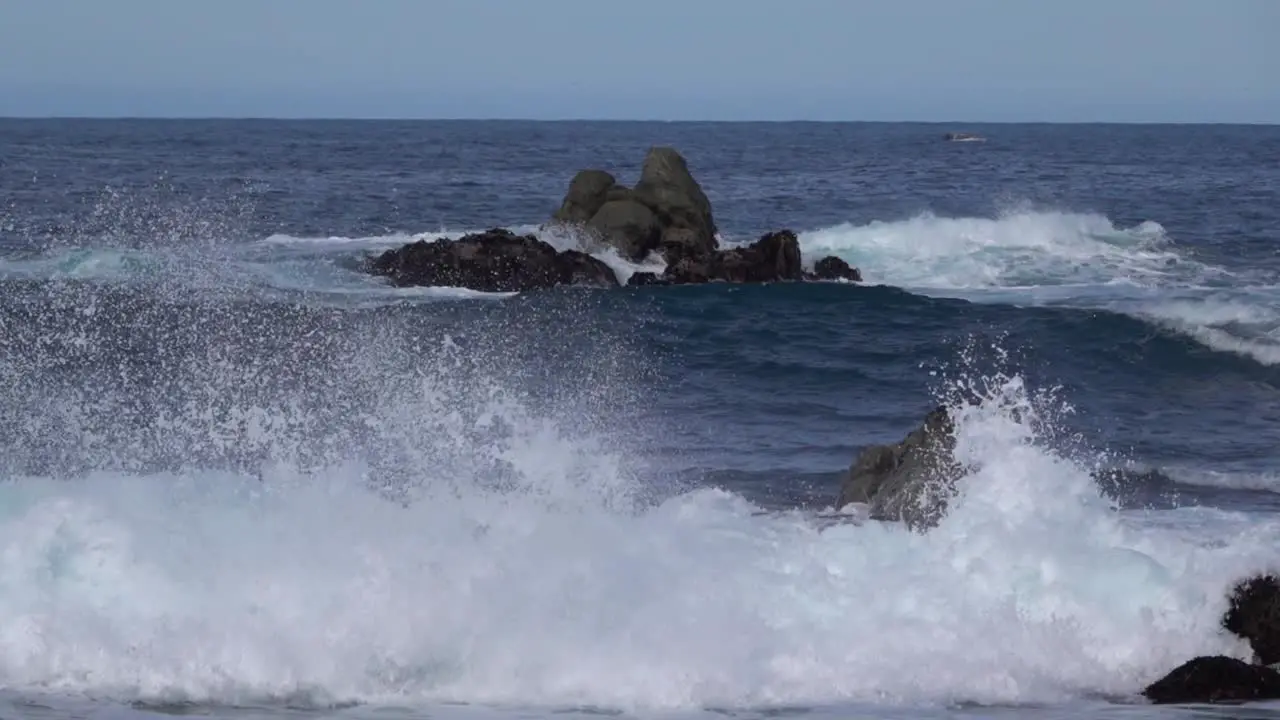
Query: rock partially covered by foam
point(1254, 615)
point(1215, 679)
point(911, 481)
point(493, 261)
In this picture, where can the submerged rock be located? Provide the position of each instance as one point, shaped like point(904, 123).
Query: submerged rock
point(1215, 679)
point(493, 261)
point(911, 481)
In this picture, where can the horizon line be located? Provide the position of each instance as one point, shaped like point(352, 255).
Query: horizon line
point(588, 119)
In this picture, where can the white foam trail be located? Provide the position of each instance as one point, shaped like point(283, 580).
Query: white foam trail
point(1268, 481)
point(1058, 258)
point(558, 591)
point(1245, 321)
point(1020, 249)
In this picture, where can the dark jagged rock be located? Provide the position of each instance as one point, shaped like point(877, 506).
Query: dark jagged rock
point(773, 258)
point(641, 279)
point(1215, 679)
point(911, 481)
point(679, 243)
point(588, 192)
point(493, 261)
point(833, 268)
point(1254, 615)
point(629, 226)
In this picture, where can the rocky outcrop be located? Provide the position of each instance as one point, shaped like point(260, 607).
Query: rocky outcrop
point(833, 268)
point(666, 213)
point(773, 258)
point(492, 261)
point(911, 481)
point(1215, 679)
point(667, 210)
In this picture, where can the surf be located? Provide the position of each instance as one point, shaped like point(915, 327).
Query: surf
point(517, 557)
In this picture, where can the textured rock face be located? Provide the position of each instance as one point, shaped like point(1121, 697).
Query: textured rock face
point(628, 226)
point(588, 192)
point(773, 258)
point(679, 222)
point(493, 261)
point(1215, 679)
point(669, 189)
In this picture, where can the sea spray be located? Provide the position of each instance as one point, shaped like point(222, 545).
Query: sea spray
point(543, 589)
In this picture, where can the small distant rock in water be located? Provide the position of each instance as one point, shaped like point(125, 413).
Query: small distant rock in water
point(1215, 679)
point(963, 137)
point(833, 268)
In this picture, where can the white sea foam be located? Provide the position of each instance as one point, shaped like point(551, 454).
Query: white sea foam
point(564, 588)
point(1058, 258)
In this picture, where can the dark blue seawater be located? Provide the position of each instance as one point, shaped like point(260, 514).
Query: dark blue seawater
point(241, 477)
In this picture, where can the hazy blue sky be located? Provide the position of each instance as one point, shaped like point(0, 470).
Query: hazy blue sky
point(1070, 60)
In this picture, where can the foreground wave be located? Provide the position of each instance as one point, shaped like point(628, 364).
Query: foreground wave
point(569, 584)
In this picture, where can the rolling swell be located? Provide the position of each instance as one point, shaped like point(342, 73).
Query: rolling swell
point(851, 366)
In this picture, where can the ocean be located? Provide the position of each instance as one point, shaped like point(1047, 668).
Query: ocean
point(242, 479)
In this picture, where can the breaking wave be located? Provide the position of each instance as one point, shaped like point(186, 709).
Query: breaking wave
point(1068, 259)
point(432, 532)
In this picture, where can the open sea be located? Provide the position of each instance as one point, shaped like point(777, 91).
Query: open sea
point(239, 479)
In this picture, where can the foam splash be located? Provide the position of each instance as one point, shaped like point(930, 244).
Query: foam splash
point(560, 586)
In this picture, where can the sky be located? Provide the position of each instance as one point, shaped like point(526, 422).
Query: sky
point(930, 60)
